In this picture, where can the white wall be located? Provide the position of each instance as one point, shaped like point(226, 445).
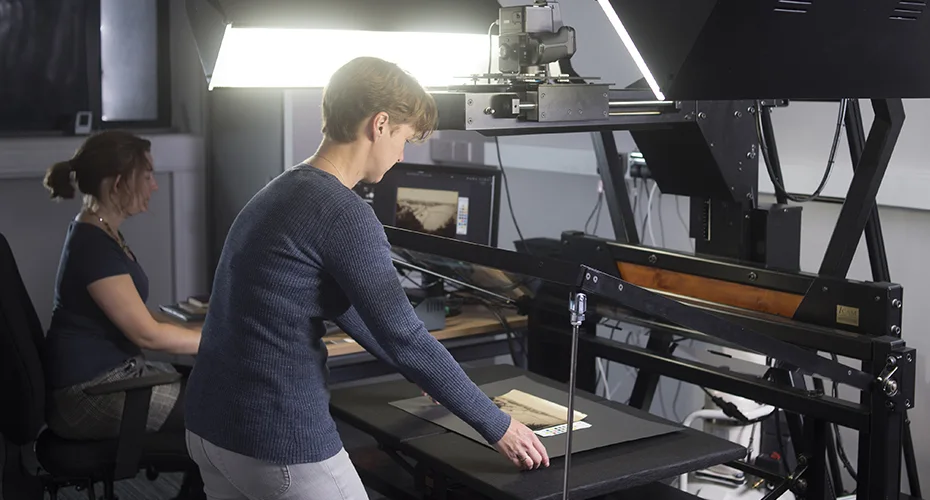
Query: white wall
point(169, 239)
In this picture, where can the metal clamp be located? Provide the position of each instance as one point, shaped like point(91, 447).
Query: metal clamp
point(889, 385)
point(578, 306)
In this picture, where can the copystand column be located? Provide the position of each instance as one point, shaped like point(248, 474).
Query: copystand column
point(578, 305)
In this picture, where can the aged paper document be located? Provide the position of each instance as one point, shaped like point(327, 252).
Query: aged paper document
point(534, 412)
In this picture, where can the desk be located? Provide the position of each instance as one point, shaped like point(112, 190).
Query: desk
point(461, 461)
point(468, 336)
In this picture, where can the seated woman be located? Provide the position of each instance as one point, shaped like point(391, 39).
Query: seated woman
point(100, 323)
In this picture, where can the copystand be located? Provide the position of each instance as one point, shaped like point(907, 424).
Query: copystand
point(887, 387)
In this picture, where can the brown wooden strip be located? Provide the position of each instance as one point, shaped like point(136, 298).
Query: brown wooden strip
point(712, 290)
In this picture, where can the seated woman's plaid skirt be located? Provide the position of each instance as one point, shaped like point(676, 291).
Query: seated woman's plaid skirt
point(72, 414)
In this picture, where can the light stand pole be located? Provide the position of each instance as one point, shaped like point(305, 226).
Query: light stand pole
point(578, 305)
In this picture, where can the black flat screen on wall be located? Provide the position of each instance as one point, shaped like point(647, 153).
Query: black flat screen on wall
point(44, 63)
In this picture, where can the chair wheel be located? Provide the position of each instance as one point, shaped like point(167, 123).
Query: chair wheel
point(151, 474)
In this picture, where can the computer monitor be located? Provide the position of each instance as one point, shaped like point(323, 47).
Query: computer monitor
point(460, 202)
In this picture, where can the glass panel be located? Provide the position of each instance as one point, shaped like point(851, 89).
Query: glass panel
point(129, 60)
point(487, 282)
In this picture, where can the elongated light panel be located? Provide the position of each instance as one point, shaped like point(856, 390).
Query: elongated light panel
point(631, 48)
point(262, 57)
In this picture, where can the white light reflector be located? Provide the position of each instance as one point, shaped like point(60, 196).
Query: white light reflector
point(631, 48)
point(263, 57)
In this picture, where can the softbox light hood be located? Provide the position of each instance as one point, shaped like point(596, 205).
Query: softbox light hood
point(796, 49)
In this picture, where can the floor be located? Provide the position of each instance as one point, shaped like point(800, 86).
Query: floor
point(140, 488)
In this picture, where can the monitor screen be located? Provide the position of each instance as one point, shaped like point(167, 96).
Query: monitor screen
point(450, 201)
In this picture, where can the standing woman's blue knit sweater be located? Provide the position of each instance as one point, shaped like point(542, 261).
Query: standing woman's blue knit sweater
point(305, 249)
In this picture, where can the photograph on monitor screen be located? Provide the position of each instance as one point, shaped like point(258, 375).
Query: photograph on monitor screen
point(429, 211)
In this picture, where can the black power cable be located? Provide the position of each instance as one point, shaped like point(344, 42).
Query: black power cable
point(764, 129)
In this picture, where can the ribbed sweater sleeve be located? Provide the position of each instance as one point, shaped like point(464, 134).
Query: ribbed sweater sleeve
point(358, 256)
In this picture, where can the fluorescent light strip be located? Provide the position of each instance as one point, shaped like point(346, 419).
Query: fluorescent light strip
point(259, 57)
point(631, 48)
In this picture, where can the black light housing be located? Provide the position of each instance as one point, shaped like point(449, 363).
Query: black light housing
point(795, 49)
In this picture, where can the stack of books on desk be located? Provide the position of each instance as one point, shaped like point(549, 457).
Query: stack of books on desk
point(193, 309)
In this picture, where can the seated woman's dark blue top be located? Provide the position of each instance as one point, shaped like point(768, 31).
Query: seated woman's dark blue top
point(82, 342)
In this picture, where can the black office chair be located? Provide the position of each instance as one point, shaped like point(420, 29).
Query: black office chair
point(63, 462)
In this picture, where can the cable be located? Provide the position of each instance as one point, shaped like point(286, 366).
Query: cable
point(683, 223)
point(763, 121)
point(647, 222)
point(597, 218)
point(500, 163)
point(491, 47)
point(840, 450)
point(594, 212)
point(659, 216)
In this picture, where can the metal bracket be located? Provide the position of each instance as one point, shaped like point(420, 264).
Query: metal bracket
point(896, 380)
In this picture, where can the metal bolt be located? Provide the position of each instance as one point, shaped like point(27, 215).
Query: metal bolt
point(711, 144)
point(488, 111)
point(653, 259)
point(543, 115)
point(748, 197)
point(889, 405)
point(895, 329)
point(751, 155)
point(580, 112)
point(802, 484)
point(619, 287)
point(753, 276)
point(738, 114)
point(752, 110)
point(910, 359)
point(595, 279)
point(470, 121)
point(587, 276)
point(847, 373)
point(605, 114)
point(891, 388)
point(605, 95)
point(891, 361)
point(896, 303)
point(825, 289)
point(702, 115)
point(878, 299)
point(543, 95)
point(907, 403)
point(470, 102)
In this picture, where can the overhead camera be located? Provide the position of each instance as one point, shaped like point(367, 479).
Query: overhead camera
point(532, 37)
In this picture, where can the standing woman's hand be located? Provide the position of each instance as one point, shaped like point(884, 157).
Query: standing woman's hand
point(522, 447)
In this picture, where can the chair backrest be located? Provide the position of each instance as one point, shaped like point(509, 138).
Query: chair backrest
point(22, 380)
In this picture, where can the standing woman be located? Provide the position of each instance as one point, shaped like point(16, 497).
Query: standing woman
point(306, 249)
point(100, 322)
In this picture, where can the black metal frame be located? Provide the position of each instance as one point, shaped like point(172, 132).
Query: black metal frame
point(878, 417)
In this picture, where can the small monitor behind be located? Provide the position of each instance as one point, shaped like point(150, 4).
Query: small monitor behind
point(452, 201)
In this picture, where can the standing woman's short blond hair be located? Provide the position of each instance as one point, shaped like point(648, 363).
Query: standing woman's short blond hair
point(366, 86)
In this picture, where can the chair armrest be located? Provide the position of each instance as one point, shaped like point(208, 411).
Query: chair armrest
point(130, 384)
point(138, 393)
